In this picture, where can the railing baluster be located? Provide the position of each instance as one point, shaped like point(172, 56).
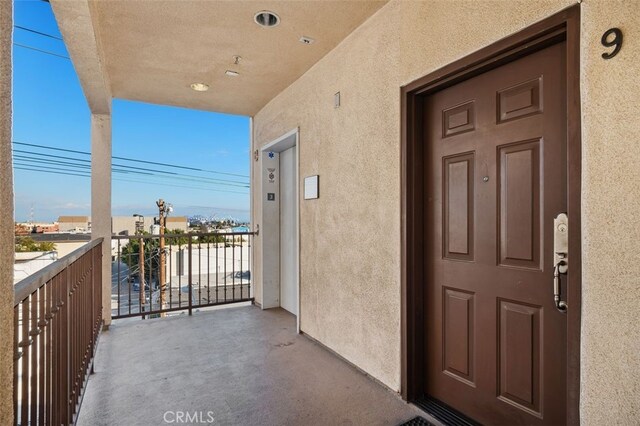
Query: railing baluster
point(190, 279)
point(55, 338)
point(49, 349)
point(128, 277)
point(67, 379)
point(42, 322)
point(24, 373)
point(170, 280)
point(150, 280)
point(17, 354)
point(33, 335)
point(199, 273)
point(217, 270)
point(224, 276)
point(118, 278)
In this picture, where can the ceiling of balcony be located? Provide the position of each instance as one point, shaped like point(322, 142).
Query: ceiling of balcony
point(152, 51)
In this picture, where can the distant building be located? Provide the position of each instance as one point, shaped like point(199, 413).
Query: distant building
point(25, 228)
point(126, 225)
point(43, 228)
point(65, 242)
point(74, 223)
point(177, 222)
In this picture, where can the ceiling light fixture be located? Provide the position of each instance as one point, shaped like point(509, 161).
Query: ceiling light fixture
point(232, 73)
point(266, 19)
point(199, 87)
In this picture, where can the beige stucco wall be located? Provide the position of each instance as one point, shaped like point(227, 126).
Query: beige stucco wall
point(350, 244)
point(611, 210)
point(6, 215)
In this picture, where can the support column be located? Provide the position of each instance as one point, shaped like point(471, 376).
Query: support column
point(6, 216)
point(101, 201)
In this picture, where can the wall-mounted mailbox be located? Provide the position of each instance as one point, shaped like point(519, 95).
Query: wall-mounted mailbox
point(312, 187)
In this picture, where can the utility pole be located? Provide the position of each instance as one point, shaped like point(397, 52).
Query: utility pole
point(164, 210)
point(139, 231)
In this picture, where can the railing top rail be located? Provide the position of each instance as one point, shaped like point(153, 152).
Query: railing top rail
point(185, 235)
point(24, 288)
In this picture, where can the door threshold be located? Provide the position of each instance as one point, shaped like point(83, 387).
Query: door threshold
point(443, 412)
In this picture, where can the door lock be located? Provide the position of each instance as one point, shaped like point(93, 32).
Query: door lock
point(560, 257)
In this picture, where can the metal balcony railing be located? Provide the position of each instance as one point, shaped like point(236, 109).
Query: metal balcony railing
point(154, 275)
point(57, 320)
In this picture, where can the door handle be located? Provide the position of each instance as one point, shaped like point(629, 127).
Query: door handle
point(560, 257)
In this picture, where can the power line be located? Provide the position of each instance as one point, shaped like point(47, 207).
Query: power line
point(131, 159)
point(82, 173)
point(117, 170)
point(51, 155)
point(134, 170)
point(58, 162)
point(41, 51)
point(81, 166)
point(127, 180)
point(46, 171)
point(172, 174)
point(37, 32)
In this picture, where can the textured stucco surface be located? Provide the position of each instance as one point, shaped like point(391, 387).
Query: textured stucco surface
point(76, 22)
point(6, 215)
point(350, 240)
point(610, 391)
point(101, 200)
point(350, 244)
point(152, 51)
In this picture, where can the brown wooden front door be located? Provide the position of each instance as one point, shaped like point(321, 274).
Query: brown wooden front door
point(495, 344)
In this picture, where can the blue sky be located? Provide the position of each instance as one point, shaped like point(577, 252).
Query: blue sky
point(49, 109)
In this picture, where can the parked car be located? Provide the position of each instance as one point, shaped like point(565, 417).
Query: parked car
point(245, 275)
point(135, 284)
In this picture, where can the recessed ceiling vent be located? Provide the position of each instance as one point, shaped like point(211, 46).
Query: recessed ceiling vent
point(266, 19)
point(306, 40)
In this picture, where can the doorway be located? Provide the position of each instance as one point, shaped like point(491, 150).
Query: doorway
point(491, 155)
point(280, 225)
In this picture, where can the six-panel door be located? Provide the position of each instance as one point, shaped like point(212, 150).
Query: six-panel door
point(496, 151)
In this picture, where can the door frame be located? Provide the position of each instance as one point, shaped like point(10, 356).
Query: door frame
point(562, 26)
point(280, 144)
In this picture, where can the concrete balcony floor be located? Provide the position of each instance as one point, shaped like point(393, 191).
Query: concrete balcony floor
point(244, 365)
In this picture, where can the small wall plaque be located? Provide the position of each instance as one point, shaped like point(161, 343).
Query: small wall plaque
point(312, 187)
point(271, 196)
